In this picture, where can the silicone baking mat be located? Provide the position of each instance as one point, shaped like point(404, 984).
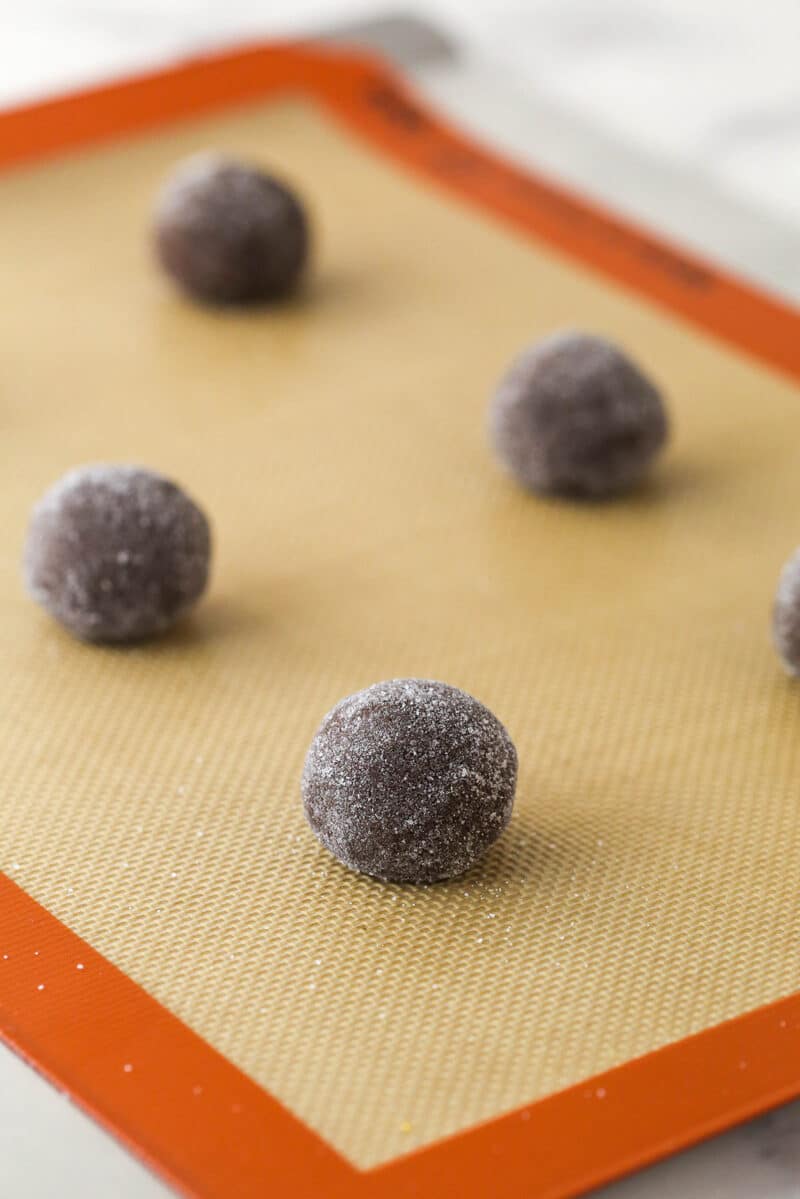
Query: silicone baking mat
point(177, 951)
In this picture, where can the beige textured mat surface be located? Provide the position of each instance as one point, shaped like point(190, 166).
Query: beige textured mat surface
point(648, 885)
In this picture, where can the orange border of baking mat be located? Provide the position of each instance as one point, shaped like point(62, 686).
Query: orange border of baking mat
point(231, 1137)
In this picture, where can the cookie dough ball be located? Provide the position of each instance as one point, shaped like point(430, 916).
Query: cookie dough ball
point(228, 233)
point(786, 615)
point(575, 417)
point(409, 781)
point(116, 553)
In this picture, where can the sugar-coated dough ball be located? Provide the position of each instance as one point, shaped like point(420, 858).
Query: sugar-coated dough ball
point(116, 553)
point(409, 781)
point(786, 615)
point(575, 417)
point(228, 233)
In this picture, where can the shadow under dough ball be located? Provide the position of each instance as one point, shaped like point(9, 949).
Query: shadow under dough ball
point(575, 417)
point(228, 233)
point(409, 781)
point(786, 615)
point(116, 553)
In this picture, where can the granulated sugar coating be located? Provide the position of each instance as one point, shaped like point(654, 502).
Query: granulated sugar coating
point(409, 781)
point(575, 417)
point(116, 553)
point(786, 615)
point(228, 233)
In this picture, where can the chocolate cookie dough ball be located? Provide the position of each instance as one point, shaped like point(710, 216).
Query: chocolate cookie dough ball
point(786, 615)
point(228, 233)
point(116, 553)
point(575, 417)
point(409, 781)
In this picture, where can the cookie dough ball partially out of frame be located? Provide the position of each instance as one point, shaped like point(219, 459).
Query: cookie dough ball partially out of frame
point(228, 233)
point(575, 417)
point(409, 781)
point(116, 553)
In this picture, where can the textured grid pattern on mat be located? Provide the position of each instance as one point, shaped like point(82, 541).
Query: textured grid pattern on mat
point(648, 885)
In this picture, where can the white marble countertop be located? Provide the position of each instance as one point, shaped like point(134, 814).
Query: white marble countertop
point(637, 94)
